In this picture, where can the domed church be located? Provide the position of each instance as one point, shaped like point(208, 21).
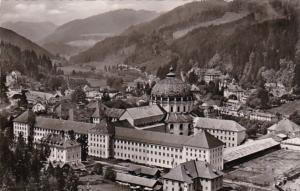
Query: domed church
point(175, 97)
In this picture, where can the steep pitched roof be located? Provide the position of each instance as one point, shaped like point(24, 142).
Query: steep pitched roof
point(101, 109)
point(218, 124)
point(59, 141)
point(104, 127)
point(190, 170)
point(285, 125)
point(25, 117)
point(204, 140)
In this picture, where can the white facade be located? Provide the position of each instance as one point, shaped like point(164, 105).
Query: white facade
point(259, 116)
point(38, 108)
point(230, 138)
point(21, 128)
point(165, 156)
point(200, 183)
point(65, 155)
point(193, 176)
point(229, 132)
point(98, 145)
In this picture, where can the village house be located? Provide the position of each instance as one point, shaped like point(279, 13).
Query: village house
point(261, 116)
point(211, 75)
point(234, 91)
point(286, 127)
point(62, 149)
point(291, 144)
point(39, 107)
point(101, 110)
point(229, 132)
point(193, 176)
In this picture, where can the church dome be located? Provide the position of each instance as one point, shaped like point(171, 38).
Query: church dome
point(171, 87)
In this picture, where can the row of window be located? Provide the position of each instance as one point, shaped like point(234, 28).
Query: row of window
point(131, 143)
point(135, 157)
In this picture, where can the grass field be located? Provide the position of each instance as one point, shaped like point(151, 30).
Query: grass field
point(265, 170)
point(287, 108)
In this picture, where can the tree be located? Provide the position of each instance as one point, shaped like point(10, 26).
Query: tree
point(71, 134)
point(3, 88)
point(83, 140)
point(78, 96)
point(295, 117)
point(98, 169)
point(110, 174)
point(23, 100)
point(105, 97)
point(192, 78)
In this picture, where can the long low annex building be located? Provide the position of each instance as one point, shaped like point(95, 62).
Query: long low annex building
point(242, 153)
point(145, 147)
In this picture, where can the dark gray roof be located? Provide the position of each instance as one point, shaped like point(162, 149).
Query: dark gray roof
point(25, 117)
point(171, 87)
point(104, 127)
point(59, 141)
point(179, 118)
point(63, 125)
point(201, 140)
point(139, 169)
point(218, 124)
point(102, 109)
point(190, 170)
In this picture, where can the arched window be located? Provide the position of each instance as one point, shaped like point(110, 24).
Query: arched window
point(181, 127)
point(171, 108)
point(171, 126)
point(183, 108)
point(178, 109)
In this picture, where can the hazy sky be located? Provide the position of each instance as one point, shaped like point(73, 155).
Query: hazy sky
point(61, 11)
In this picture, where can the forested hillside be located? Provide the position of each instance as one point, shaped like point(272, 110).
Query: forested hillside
point(260, 46)
point(26, 61)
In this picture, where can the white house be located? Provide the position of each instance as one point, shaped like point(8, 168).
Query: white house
point(38, 107)
point(193, 176)
point(63, 149)
point(262, 116)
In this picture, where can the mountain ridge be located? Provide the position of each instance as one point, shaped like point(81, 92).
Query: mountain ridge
point(11, 37)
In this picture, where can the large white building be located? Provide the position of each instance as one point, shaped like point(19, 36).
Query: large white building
point(193, 176)
point(154, 148)
point(176, 99)
point(229, 132)
point(145, 147)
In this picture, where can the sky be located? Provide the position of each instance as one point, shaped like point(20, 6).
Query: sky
point(62, 11)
